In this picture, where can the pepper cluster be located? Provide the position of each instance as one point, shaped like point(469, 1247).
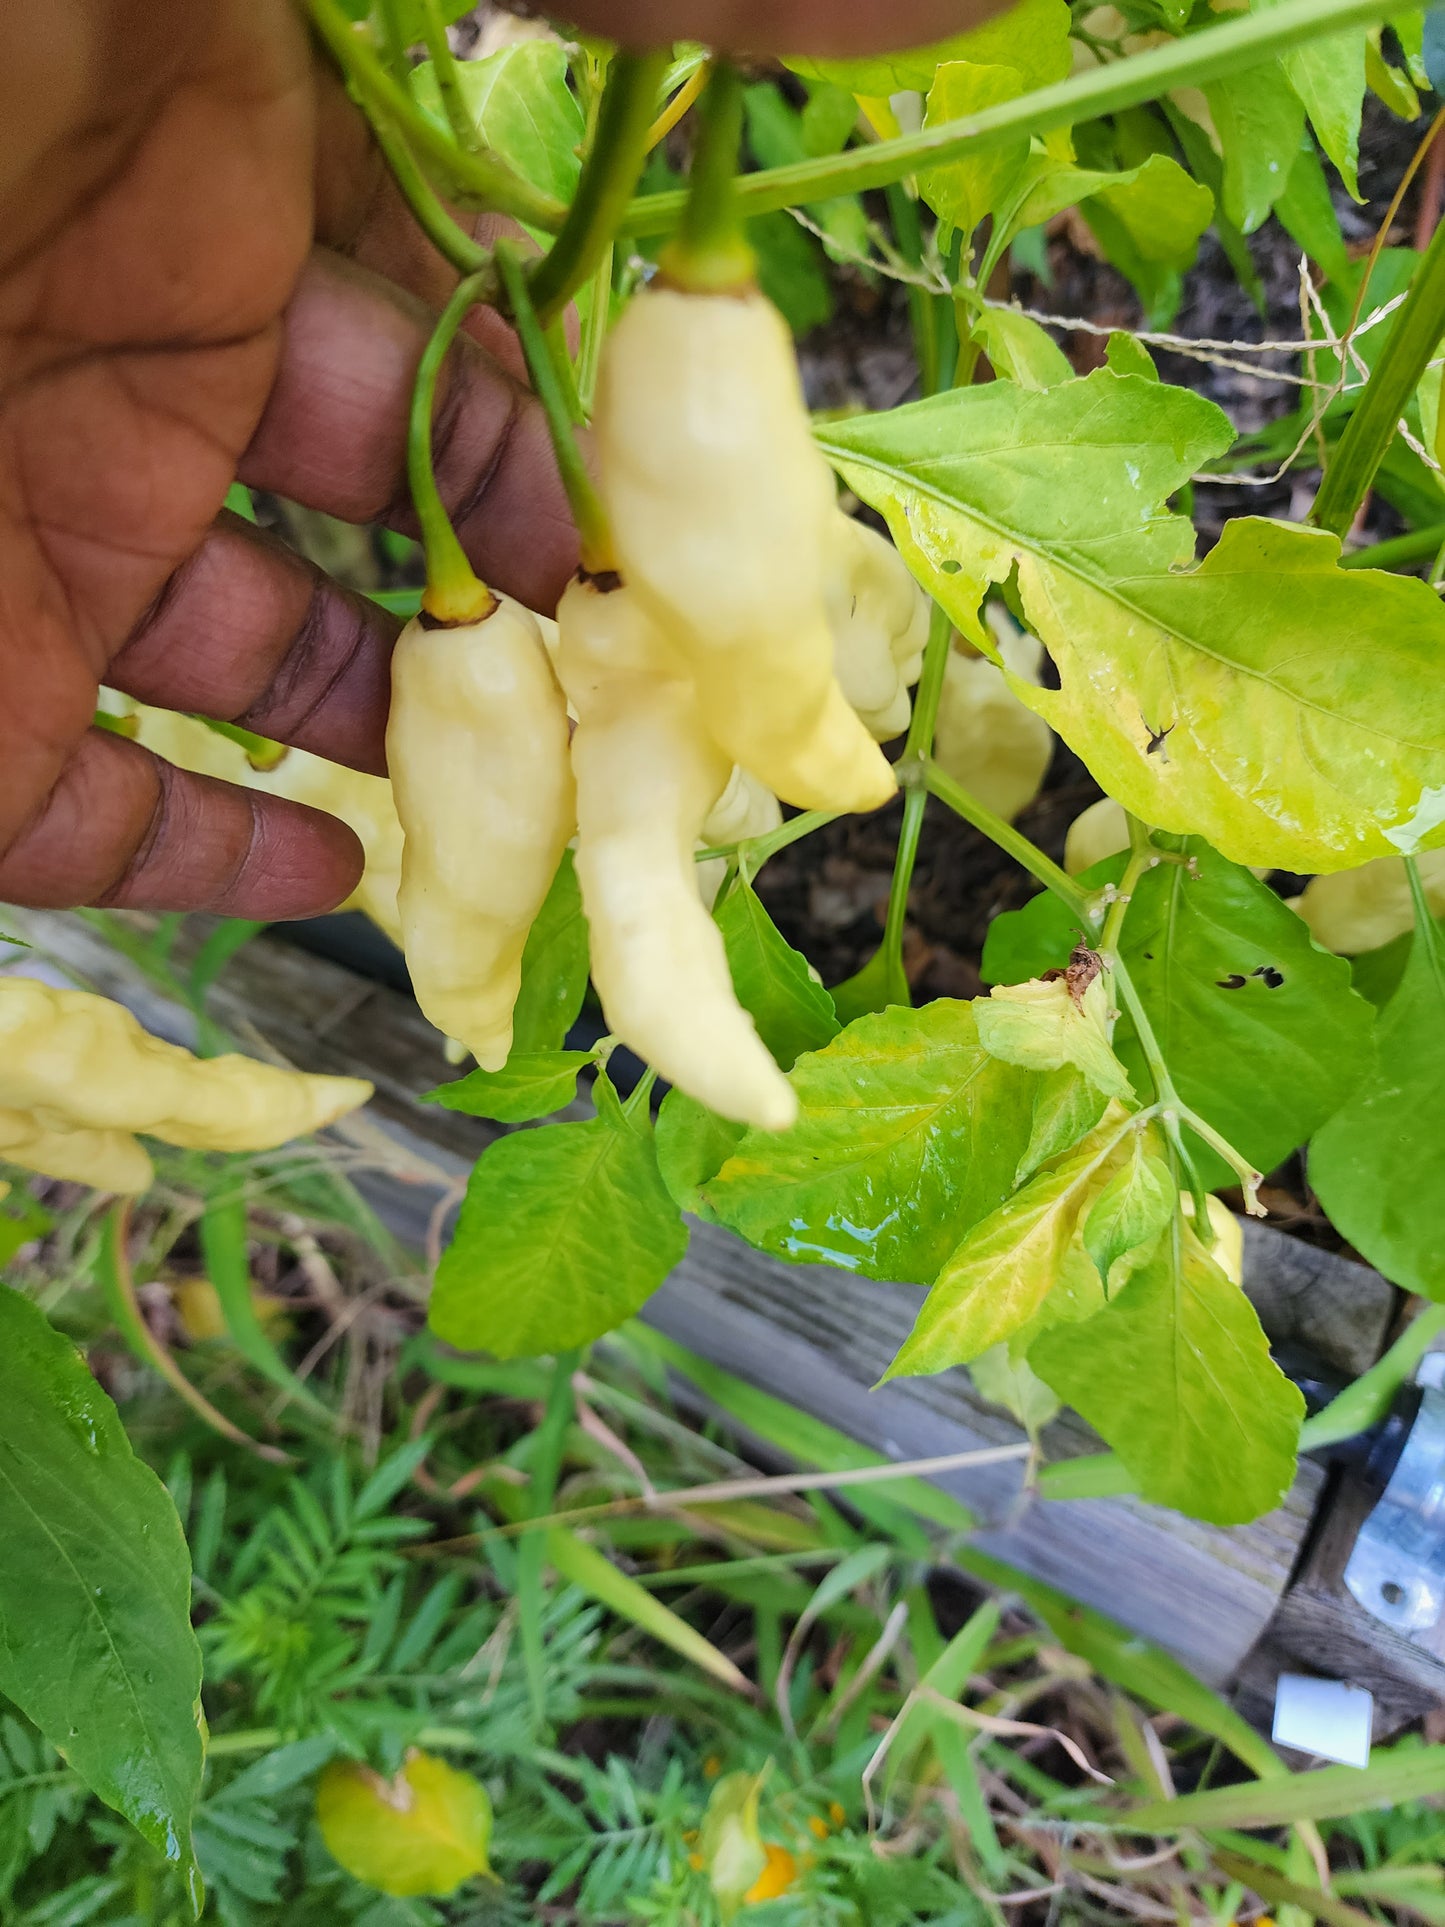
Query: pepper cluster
point(750, 644)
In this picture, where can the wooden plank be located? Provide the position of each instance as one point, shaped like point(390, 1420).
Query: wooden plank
point(815, 1336)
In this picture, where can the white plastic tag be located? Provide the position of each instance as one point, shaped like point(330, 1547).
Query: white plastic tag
point(1323, 1717)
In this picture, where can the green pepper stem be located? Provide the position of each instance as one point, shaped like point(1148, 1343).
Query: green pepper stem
point(1018, 846)
point(582, 497)
point(448, 77)
point(466, 255)
point(709, 254)
point(609, 174)
point(454, 592)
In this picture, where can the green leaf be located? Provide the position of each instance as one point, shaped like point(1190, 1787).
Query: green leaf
point(1128, 356)
point(693, 1145)
point(792, 1010)
point(1013, 1383)
point(1329, 76)
point(779, 136)
point(1020, 350)
point(565, 1231)
point(1259, 119)
point(96, 1644)
point(1066, 1107)
point(1040, 1026)
point(964, 191)
point(1394, 1777)
point(583, 1565)
point(225, 1245)
point(1128, 1217)
point(1262, 1030)
point(909, 1132)
point(554, 967)
point(881, 983)
point(1161, 210)
point(1006, 1266)
point(1305, 714)
point(791, 272)
point(1032, 37)
point(1378, 1165)
point(1308, 213)
point(1176, 1375)
point(522, 106)
point(530, 1084)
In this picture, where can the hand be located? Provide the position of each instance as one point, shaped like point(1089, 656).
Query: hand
point(205, 274)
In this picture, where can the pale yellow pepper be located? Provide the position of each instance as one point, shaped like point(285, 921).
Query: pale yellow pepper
point(648, 776)
point(363, 802)
point(987, 738)
point(879, 617)
point(79, 1077)
point(724, 518)
point(477, 748)
point(745, 809)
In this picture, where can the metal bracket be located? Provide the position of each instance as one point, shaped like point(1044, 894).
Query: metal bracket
point(1397, 1568)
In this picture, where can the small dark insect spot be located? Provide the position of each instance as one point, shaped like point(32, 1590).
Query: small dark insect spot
point(1155, 745)
point(1148, 956)
point(950, 567)
point(1236, 982)
point(1272, 978)
point(852, 608)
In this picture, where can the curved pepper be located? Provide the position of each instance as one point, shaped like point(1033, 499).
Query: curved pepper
point(723, 514)
point(477, 747)
point(880, 617)
point(648, 775)
point(78, 1076)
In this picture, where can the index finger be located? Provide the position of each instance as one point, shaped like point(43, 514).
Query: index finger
point(831, 28)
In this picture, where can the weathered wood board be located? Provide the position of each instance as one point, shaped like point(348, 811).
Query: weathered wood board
point(815, 1336)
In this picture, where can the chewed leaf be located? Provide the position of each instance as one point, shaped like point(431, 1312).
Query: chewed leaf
point(1176, 1374)
point(1286, 709)
point(1047, 1026)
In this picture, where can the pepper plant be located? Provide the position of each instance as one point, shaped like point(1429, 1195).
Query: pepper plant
point(1160, 1026)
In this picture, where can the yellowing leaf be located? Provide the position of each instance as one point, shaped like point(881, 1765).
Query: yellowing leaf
point(1128, 1217)
point(1032, 36)
point(1290, 711)
point(1041, 1026)
point(1005, 1268)
point(423, 1832)
point(731, 1845)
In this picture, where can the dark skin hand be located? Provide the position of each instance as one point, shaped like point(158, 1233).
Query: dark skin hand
point(205, 274)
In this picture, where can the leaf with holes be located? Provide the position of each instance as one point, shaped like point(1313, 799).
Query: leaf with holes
point(1289, 710)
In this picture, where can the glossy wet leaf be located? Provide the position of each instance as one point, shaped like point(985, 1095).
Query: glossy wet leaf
point(1378, 1165)
point(554, 967)
point(908, 1133)
point(96, 1644)
point(1006, 1266)
point(424, 1831)
point(530, 1084)
point(1259, 118)
point(1262, 1030)
point(1175, 1374)
point(565, 1230)
point(1294, 708)
point(693, 1145)
point(792, 1010)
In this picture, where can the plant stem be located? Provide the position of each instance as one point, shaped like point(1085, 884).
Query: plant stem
point(1141, 858)
point(1242, 41)
point(908, 233)
point(609, 174)
point(1413, 338)
point(709, 254)
point(448, 78)
point(454, 593)
point(756, 850)
point(1048, 873)
point(594, 330)
point(1413, 547)
point(582, 497)
point(1366, 1401)
point(466, 255)
point(478, 179)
